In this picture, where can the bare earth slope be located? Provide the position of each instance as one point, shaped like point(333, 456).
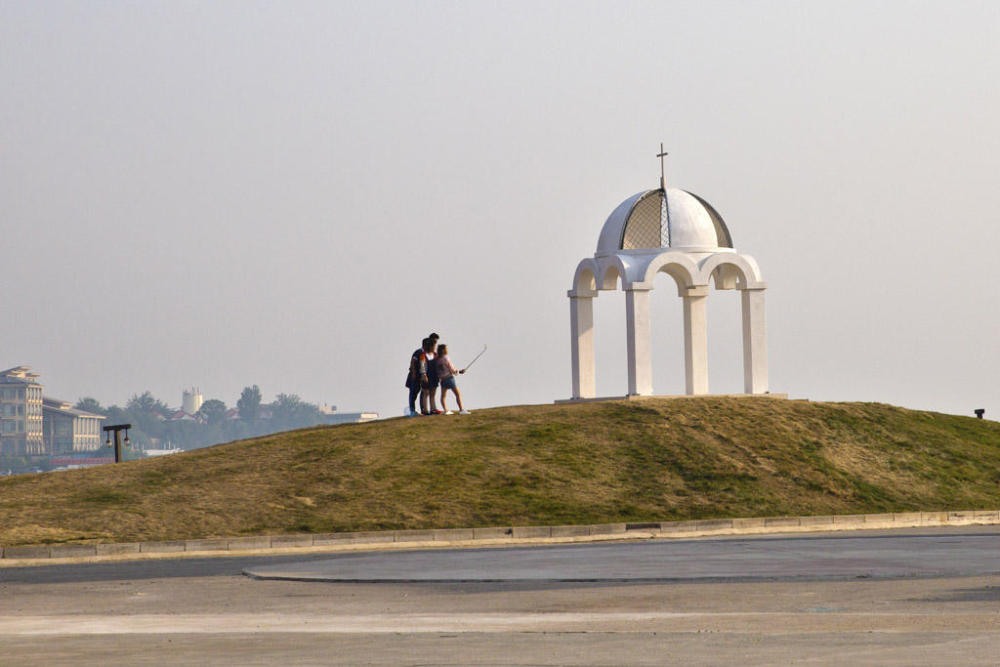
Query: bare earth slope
point(548, 464)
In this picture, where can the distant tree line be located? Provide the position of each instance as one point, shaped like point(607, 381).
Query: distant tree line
point(156, 426)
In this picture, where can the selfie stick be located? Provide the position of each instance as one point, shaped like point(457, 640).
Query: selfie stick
point(474, 360)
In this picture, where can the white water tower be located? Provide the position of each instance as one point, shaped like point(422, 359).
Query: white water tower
point(192, 400)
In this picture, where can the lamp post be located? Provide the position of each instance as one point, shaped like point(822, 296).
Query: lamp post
point(118, 428)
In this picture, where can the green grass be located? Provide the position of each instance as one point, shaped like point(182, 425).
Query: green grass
point(651, 459)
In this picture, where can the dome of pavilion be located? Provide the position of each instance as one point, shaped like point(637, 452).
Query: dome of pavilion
point(655, 220)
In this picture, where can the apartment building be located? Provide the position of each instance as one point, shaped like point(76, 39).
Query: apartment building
point(68, 430)
point(21, 429)
point(32, 425)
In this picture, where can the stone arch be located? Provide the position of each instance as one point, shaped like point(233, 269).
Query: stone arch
point(613, 269)
point(735, 271)
point(585, 278)
point(680, 267)
point(731, 271)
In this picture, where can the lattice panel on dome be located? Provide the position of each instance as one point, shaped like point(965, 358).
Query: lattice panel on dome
point(647, 226)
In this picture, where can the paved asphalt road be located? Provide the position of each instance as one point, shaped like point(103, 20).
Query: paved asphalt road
point(922, 597)
point(731, 559)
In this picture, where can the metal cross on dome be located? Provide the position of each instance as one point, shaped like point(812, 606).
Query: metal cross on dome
point(662, 154)
point(664, 211)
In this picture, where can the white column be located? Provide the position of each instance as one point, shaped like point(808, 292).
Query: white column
point(640, 366)
point(695, 341)
point(581, 322)
point(754, 342)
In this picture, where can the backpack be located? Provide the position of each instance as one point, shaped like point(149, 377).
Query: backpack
point(413, 372)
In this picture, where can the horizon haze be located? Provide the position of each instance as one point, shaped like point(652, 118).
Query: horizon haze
point(294, 194)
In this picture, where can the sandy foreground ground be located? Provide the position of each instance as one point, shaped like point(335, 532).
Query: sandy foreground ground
point(234, 620)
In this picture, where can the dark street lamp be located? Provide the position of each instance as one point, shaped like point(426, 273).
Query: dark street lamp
point(118, 428)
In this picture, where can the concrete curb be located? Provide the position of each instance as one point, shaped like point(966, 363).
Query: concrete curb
point(496, 535)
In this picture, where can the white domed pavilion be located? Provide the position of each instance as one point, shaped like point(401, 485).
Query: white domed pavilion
point(680, 234)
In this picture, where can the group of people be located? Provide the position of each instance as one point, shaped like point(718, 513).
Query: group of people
point(429, 369)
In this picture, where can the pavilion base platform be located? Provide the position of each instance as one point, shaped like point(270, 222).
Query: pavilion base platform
point(634, 397)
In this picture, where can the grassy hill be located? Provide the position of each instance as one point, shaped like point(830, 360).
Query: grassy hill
point(549, 464)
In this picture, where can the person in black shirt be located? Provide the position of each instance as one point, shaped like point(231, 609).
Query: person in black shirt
point(432, 377)
point(416, 378)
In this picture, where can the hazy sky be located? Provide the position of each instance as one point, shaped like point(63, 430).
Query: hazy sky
point(293, 194)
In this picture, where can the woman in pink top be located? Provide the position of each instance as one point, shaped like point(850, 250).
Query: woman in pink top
point(446, 372)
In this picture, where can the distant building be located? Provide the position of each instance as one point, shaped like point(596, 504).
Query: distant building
point(163, 452)
point(21, 412)
point(181, 416)
point(31, 425)
point(328, 415)
point(191, 401)
point(350, 418)
point(68, 430)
